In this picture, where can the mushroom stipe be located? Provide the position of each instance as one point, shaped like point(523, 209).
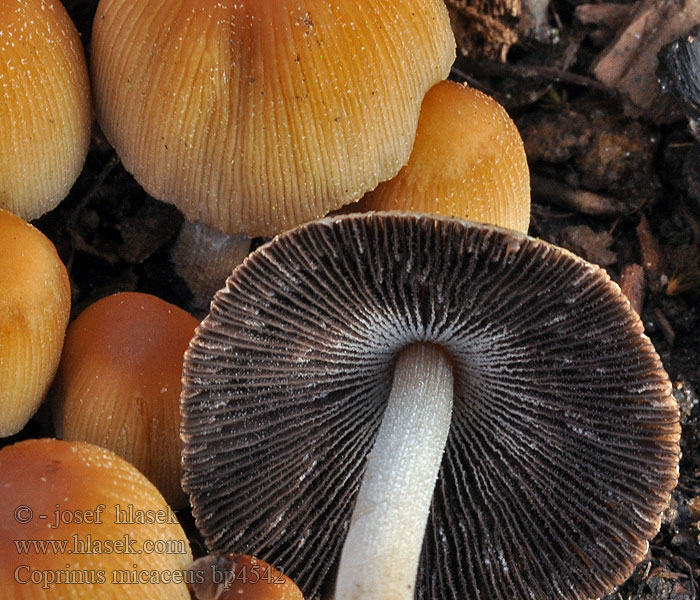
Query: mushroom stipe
point(562, 446)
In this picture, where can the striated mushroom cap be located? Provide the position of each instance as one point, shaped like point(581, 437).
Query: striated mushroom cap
point(468, 160)
point(254, 116)
point(35, 302)
point(118, 383)
point(45, 106)
point(563, 444)
point(104, 531)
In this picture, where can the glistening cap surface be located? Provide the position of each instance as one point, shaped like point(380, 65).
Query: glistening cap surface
point(563, 446)
point(468, 160)
point(45, 106)
point(254, 116)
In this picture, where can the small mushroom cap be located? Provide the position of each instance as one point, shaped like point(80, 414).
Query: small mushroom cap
point(240, 577)
point(118, 384)
point(104, 510)
point(35, 304)
point(253, 116)
point(468, 160)
point(563, 445)
point(45, 106)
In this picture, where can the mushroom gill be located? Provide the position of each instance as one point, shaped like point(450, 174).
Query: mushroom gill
point(560, 444)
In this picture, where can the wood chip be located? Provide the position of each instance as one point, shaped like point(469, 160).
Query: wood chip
point(629, 63)
point(632, 283)
point(652, 259)
point(561, 195)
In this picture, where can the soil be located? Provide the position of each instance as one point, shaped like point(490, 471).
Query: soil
point(619, 190)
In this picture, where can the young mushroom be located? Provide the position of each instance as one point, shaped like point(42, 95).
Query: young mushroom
point(45, 106)
point(35, 302)
point(77, 522)
point(239, 577)
point(118, 383)
point(254, 116)
point(430, 409)
point(468, 160)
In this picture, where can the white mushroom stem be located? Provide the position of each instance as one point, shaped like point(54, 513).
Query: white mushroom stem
point(205, 257)
point(380, 556)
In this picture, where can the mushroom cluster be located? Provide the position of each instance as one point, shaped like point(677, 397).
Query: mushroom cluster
point(382, 406)
point(394, 406)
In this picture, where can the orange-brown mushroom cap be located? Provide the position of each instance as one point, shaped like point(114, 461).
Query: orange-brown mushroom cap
point(240, 577)
point(104, 530)
point(35, 304)
point(468, 161)
point(45, 106)
point(253, 116)
point(118, 383)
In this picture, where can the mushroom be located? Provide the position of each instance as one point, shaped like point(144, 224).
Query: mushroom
point(78, 522)
point(239, 577)
point(35, 304)
point(118, 384)
point(253, 116)
point(204, 258)
point(468, 160)
point(431, 408)
point(45, 106)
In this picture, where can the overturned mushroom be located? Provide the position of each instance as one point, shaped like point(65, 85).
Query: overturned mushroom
point(343, 355)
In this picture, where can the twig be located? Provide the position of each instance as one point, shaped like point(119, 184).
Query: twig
point(666, 327)
point(691, 574)
point(486, 68)
point(692, 222)
point(561, 195)
point(461, 76)
point(107, 169)
point(632, 285)
point(651, 254)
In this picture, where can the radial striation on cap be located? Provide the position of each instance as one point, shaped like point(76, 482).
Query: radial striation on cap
point(563, 443)
point(35, 302)
point(468, 160)
point(254, 116)
point(118, 383)
point(45, 106)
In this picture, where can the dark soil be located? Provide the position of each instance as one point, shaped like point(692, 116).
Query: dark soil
point(635, 200)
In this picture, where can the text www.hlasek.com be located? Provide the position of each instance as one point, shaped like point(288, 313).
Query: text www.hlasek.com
point(88, 545)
